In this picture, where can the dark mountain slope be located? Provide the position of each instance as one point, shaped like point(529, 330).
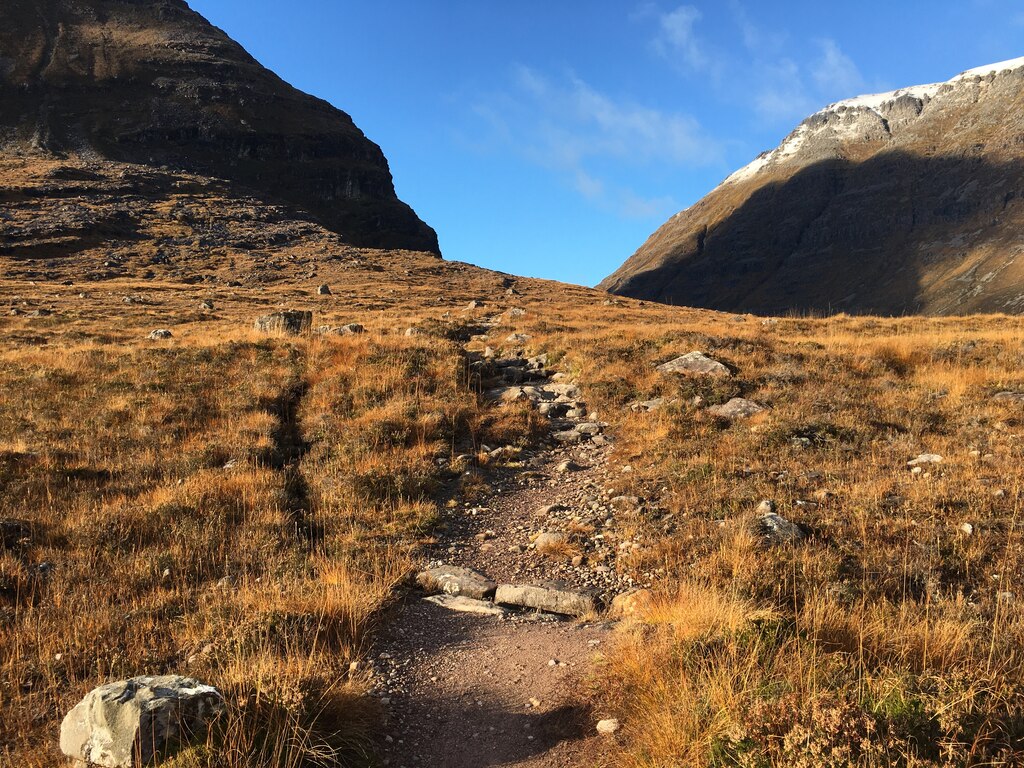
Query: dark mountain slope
point(153, 83)
point(906, 202)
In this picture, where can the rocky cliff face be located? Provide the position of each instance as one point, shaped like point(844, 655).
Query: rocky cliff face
point(904, 202)
point(153, 83)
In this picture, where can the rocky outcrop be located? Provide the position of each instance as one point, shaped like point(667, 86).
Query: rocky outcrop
point(155, 84)
point(904, 202)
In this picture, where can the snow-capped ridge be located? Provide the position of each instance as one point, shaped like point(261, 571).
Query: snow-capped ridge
point(874, 103)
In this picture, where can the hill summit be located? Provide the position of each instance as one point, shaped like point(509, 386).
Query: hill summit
point(902, 202)
point(155, 84)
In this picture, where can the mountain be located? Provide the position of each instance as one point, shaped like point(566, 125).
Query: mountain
point(154, 84)
point(904, 202)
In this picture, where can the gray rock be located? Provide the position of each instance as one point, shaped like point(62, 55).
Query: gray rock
point(647, 406)
point(925, 458)
point(568, 437)
point(464, 604)
point(1011, 397)
point(352, 329)
point(590, 428)
point(323, 290)
point(453, 580)
point(207, 305)
point(779, 530)
point(608, 727)
point(132, 722)
point(160, 334)
point(695, 364)
point(290, 322)
point(553, 598)
point(737, 408)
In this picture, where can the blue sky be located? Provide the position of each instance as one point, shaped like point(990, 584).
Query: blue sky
point(551, 138)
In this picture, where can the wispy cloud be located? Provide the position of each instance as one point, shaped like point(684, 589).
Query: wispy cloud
point(677, 40)
point(835, 72)
point(766, 74)
point(587, 136)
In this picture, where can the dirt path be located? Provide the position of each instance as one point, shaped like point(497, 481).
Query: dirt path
point(468, 691)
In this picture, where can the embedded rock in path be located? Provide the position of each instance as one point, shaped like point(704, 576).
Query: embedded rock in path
point(695, 364)
point(290, 322)
point(553, 598)
point(737, 408)
point(453, 580)
point(132, 722)
point(464, 604)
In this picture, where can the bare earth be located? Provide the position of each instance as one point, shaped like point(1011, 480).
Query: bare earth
point(468, 691)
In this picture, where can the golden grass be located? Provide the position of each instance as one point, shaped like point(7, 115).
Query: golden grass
point(890, 636)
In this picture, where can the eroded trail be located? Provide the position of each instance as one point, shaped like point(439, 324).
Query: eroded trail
point(463, 690)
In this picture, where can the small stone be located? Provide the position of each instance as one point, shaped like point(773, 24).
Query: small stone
point(323, 290)
point(779, 530)
point(351, 329)
point(551, 542)
point(737, 408)
point(966, 528)
point(925, 458)
point(608, 727)
point(160, 334)
point(630, 603)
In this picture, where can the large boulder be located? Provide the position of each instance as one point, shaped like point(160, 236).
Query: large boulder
point(453, 580)
point(553, 598)
point(290, 322)
point(695, 364)
point(132, 722)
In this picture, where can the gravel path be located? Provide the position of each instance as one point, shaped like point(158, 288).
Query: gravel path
point(467, 691)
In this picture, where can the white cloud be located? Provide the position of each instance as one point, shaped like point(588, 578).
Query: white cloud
point(777, 80)
point(835, 72)
point(676, 39)
point(572, 121)
point(589, 137)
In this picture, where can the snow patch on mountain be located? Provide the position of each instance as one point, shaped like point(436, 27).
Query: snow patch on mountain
point(875, 104)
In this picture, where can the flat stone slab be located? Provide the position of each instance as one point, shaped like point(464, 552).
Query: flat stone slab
point(453, 580)
point(737, 408)
point(695, 364)
point(552, 598)
point(464, 604)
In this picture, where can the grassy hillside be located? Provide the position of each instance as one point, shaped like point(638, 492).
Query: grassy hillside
point(240, 508)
